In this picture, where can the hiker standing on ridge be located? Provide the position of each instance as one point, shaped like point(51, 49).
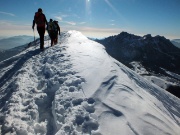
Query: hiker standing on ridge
point(51, 31)
point(41, 22)
point(57, 31)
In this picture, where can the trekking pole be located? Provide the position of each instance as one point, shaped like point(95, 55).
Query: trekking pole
point(48, 41)
point(48, 38)
point(34, 39)
point(34, 35)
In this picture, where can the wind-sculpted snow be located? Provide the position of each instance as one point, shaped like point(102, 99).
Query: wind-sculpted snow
point(76, 88)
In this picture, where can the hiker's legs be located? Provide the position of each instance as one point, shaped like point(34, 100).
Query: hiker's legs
point(51, 37)
point(52, 41)
point(41, 31)
point(56, 37)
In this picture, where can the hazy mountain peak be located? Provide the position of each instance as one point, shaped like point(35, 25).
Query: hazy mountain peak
point(148, 36)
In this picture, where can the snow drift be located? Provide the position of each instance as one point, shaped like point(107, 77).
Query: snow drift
point(76, 88)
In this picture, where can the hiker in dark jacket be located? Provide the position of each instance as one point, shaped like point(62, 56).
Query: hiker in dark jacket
point(57, 31)
point(41, 22)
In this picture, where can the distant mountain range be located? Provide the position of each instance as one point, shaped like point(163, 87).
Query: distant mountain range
point(13, 45)
point(11, 42)
point(20, 43)
point(5, 54)
point(2, 37)
point(151, 57)
point(176, 42)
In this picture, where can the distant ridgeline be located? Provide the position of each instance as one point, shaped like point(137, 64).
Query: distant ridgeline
point(21, 43)
point(153, 52)
point(11, 42)
point(156, 54)
point(176, 42)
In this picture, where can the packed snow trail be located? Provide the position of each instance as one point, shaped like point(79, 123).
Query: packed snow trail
point(75, 88)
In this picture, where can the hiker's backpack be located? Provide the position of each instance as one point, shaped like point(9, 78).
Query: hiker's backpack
point(39, 19)
point(55, 27)
point(51, 26)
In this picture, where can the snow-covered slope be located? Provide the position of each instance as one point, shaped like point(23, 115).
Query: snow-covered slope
point(148, 56)
point(76, 88)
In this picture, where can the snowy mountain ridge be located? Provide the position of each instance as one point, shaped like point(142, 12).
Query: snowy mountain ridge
point(152, 57)
point(128, 47)
point(76, 88)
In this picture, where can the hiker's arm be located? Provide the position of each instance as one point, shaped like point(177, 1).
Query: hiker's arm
point(46, 20)
point(59, 29)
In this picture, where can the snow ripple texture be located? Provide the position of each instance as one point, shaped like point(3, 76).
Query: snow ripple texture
point(75, 88)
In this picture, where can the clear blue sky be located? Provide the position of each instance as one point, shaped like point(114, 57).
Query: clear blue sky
point(94, 18)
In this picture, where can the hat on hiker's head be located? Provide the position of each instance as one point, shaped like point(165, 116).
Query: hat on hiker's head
point(40, 10)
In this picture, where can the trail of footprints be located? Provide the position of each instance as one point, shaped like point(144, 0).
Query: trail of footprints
point(73, 113)
point(50, 98)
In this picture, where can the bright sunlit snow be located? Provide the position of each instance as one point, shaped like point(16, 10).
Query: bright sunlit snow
point(76, 88)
